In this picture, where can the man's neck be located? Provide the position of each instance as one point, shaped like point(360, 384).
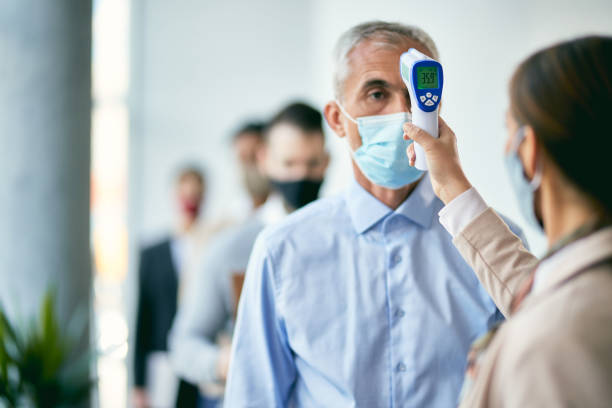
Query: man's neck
point(391, 198)
point(185, 227)
point(258, 201)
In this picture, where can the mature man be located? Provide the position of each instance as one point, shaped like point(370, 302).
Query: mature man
point(293, 157)
point(361, 299)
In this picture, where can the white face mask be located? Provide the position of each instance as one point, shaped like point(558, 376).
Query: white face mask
point(382, 155)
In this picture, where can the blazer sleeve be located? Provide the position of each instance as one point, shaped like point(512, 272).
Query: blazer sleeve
point(143, 323)
point(497, 256)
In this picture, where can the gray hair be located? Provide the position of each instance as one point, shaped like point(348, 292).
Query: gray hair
point(392, 35)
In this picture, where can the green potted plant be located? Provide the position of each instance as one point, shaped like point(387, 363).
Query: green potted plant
point(43, 364)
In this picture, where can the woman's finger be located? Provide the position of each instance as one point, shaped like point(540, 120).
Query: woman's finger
point(411, 154)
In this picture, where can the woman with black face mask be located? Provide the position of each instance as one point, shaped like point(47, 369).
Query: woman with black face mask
point(555, 350)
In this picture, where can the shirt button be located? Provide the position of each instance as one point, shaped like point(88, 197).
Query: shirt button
point(401, 367)
point(397, 259)
point(401, 313)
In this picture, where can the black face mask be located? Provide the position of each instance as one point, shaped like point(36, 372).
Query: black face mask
point(298, 193)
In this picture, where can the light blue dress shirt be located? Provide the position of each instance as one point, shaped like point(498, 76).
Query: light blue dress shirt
point(348, 303)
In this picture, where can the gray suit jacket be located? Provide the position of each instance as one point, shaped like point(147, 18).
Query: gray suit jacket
point(556, 349)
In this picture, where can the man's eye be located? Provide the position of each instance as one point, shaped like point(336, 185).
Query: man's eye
point(313, 164)
point(377, 95)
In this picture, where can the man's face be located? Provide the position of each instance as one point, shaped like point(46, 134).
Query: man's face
point(246, 147)
point(292, 154)
point(373, 86)
point(189, 194)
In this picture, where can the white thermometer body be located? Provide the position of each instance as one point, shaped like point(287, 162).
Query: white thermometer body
point(424, 78)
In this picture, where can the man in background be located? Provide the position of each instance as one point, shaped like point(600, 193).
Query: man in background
point(246, 142)
point(162, 272)
point(294, 159)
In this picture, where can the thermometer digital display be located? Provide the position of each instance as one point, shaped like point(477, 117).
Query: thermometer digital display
point(427, 77)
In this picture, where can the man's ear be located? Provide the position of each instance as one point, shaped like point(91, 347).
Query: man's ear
point(332, 115)
point(530, 152)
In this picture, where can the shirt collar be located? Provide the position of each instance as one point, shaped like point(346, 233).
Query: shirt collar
point(365, 210)
point(272, 211)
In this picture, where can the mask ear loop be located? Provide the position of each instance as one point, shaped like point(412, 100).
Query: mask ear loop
point(537, 177)
point(349, 117)
point(535, 182)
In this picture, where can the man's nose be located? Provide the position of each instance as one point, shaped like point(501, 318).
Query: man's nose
point(401, 103)
point(301, 172)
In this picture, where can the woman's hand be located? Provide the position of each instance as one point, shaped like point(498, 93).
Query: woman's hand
point(445, 170)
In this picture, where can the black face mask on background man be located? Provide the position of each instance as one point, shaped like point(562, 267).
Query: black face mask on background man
point(298, 193)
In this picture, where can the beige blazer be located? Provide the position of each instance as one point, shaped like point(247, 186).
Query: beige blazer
point(556, 349)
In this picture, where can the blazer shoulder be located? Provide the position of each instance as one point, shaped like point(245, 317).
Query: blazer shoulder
point(555, 350)
point(566, 327)
point(156, 247)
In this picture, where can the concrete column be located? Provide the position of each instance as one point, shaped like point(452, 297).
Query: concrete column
point(45, 103)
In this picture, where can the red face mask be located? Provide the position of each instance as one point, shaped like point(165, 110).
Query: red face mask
point(190, 207)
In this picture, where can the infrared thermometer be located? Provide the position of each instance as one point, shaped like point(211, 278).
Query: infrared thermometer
point(424, 78)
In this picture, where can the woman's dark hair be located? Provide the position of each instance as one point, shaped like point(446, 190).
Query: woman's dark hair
point(564, 93)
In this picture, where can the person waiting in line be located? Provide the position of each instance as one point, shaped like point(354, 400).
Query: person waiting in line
point(294, 159)
point(556, 348)
point(163, 271)
point(360, 299)
point(246, 142)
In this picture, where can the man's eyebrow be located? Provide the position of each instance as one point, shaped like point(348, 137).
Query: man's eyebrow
point(375, 83)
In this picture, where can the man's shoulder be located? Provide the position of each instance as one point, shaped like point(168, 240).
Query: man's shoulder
point(308, 223)
point(245, 231)
point(233, 245)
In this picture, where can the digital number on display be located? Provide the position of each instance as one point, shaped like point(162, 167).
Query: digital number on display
point(427, 77)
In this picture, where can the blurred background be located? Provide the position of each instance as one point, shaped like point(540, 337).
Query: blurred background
point(170, 84)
